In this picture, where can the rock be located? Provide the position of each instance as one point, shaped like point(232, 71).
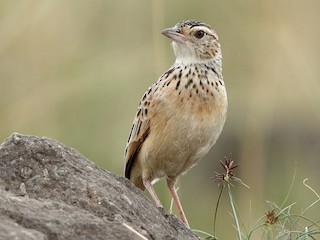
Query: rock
point(50, 191)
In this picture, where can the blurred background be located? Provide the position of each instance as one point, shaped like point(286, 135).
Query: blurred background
point(75, 71)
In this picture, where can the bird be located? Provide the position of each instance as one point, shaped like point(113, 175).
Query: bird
point(181, 116)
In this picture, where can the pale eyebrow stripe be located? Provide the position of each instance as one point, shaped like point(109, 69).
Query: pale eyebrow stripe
point(205, 29)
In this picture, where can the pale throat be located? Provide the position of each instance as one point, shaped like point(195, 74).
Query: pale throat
point(192, 60)
point(185, 55)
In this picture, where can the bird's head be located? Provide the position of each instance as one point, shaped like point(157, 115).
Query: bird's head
point(194, 42)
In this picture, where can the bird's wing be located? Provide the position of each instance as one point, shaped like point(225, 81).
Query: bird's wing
point(142, 122)
point(139, 132)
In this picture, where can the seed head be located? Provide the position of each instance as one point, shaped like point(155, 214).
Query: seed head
point(228, 175)
point(271, 217)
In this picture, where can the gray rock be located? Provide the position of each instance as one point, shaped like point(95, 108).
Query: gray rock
point(50, 191)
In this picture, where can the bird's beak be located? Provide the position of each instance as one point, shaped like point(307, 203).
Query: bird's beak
point(174, 35)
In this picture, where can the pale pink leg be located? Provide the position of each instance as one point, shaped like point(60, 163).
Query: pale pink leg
point(176, 199)
point(149, 187)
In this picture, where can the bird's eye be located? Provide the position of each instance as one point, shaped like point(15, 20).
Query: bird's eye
point(199, 34)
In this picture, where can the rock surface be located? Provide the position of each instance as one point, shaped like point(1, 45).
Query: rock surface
point(50, 191)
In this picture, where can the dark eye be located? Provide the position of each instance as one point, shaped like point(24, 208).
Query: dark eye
point(199, 34)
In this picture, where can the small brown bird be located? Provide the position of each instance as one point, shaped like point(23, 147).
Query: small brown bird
point(181, 115)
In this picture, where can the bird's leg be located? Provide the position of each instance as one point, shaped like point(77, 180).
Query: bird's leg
point(170, 184)
point(149, 187)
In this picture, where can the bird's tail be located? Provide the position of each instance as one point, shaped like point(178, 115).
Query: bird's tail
point(134, 175)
